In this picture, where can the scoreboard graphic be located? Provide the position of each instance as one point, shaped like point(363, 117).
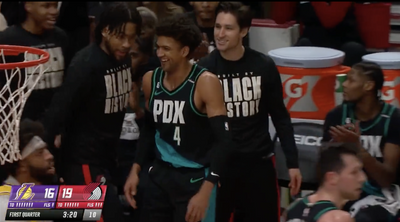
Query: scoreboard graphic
point(51, 202)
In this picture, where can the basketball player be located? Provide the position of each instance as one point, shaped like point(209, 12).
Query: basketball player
point(89, 109)
point(341, 178)
point(36, 165)
point(252, 91)
point(365, 119)
point(35, 27)
point(187, 118)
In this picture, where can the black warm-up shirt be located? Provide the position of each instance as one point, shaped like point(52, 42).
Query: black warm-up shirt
point(55, 43)
point(90, 107)
point(252, 91)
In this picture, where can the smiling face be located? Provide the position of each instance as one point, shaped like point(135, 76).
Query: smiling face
point(227, 32)
point(171, 53)
point(43, 13)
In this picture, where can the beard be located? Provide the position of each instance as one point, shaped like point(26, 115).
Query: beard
point(110, 50)
point(41, 175)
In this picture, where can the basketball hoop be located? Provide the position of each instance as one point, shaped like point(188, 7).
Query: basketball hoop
point(15, 92)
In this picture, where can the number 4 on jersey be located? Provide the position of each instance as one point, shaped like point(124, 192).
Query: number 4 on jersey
point(177, 135)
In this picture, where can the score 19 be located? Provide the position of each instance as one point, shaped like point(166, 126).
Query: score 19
point(67, 193)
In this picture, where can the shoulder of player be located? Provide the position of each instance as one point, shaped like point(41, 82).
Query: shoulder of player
point(9, 35)
point(209, 60)
point(5, 190)
point(257, 56)
point(85, 57)
point(58, 32)
point(207, 78)
point(335, 112)
point(336, 216)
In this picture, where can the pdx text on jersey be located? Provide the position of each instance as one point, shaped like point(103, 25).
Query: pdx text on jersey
point(53, 76)
point(118, 84)
point(245, 94)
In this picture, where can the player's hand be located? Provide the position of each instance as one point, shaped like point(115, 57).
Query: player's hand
point(57, 141)
point(346, 134)
point(130, 188)
point(202, 50)
point(197, 207)
point(295, 181)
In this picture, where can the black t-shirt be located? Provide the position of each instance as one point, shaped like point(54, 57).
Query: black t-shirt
point(55, 43)
point(252, 90)
point(90, 107)
point(375, 133)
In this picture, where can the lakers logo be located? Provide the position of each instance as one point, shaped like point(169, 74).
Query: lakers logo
point(25, 192)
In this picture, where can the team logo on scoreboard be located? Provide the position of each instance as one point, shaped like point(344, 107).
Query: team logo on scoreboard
point(93, 191)
point(25, 192)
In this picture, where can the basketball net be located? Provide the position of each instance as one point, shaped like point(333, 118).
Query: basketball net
point(13, 96)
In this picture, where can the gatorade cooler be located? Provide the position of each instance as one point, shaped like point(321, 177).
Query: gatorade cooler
point(309, 78)
point(390, 63)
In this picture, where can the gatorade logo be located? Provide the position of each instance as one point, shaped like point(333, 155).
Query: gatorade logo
point(391, 88)
point(294, 89)
point(297, 92)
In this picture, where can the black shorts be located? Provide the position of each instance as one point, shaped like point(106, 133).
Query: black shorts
point(250, 191)
point(169, 191)
point(75, 174)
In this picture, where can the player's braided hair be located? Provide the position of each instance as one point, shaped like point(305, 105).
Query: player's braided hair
point(115, 16)
point(181, 28)
point(374, 72)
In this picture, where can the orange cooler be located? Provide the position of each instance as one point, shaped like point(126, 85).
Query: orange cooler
point(390, 63)
point(309, 78)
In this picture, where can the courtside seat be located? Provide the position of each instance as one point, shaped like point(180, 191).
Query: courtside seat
point(308, 137)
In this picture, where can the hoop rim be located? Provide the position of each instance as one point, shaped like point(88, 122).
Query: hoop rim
point(22, 49)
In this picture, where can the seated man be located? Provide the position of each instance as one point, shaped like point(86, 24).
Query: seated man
point(340, 177)
point(373, 125)
point(36, 165)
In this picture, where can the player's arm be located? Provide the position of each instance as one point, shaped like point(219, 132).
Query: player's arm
point(333, 118)
point(146, 141)
point(273, 95)
point(72, 92)
point(385, 173)
point(336, 216)
point(210, 92)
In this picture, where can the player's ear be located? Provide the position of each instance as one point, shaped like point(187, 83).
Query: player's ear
point(243, 32)
point(28, 6)
point(369, 85)
point(105, 32)
point(185, 51)
point(332, 177)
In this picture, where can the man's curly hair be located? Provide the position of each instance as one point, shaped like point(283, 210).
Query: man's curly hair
point(181, 28)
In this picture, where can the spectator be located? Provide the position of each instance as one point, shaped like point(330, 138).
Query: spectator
point(331, 25)
point(149, 22)
point(34, 25)
point(203, 16)
point(163, 9)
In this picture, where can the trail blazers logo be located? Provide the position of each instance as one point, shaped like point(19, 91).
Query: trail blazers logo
point(93, 191)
